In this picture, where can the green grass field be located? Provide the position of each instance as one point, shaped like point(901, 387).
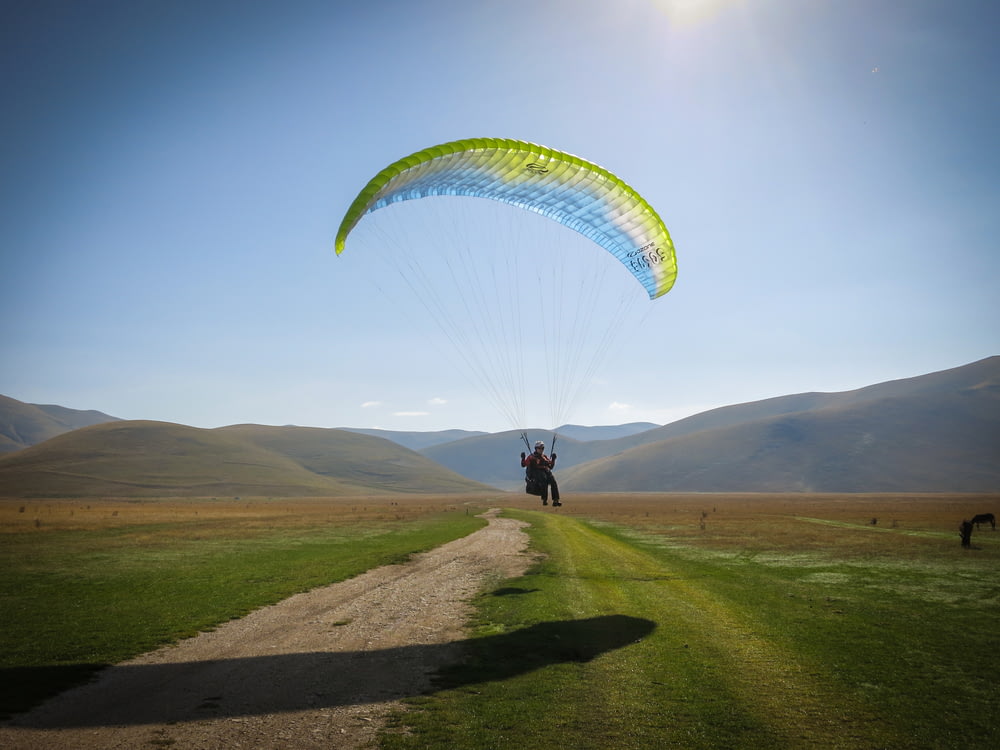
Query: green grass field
point(688, 621)
point(751, 622)
point(91, 583)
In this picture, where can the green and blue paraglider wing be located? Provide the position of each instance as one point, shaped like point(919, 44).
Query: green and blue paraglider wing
point(565, 188)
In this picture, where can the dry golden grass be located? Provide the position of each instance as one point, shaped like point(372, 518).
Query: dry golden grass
point(912, 524)
point(905, 524)
point(21, 516)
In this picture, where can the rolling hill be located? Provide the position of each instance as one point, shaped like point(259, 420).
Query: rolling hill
point(367, 461)
point(939, 431)
point(23, 425)
point(494, 458)
point(912, 444)
point(935, 432)
point(420, 441)
point(158, 459)
point(416, 441)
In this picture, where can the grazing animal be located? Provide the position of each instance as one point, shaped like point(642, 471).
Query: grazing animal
point(985, 518)
point(965, 531)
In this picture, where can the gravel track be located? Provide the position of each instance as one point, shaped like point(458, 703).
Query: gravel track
point(318, 670)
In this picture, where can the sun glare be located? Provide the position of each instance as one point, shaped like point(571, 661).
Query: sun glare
point(691, 12)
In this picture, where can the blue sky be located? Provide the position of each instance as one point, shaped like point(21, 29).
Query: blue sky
point(174, 173)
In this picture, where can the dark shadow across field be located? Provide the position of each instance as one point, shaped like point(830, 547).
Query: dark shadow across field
point(190, 691)
point(512, 590)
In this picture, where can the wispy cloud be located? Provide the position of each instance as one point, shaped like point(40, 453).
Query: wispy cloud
point(436, 401)
point(370, 404)
point(619, 406)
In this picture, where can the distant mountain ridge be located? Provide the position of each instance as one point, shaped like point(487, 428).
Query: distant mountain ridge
point(161, 459)
point(23, 424)
point(937, 443)
point(935, 432)
point(418, 441)
point(585, 434)
point(415, 441)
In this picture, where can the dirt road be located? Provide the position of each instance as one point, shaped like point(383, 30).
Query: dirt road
point(318, 670)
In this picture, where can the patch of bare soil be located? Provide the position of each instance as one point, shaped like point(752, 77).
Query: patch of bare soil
point(318, 670)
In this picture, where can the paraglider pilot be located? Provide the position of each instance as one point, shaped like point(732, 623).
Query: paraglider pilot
point(539, 472)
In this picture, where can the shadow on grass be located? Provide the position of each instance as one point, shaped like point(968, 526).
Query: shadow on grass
point(500, 657)
point(512, 590)
point(133, 694)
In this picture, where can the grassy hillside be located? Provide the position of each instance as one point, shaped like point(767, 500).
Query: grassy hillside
point(934, 432)
point(368, 461)
point(948, 442)
point(891, 436)
point(416, 441)
point(24, 424)
point(75, 418)
point(974, 375)
point(134, 458)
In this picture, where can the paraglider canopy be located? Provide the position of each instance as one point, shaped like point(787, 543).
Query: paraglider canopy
point(512, 296)
point(574, 192)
